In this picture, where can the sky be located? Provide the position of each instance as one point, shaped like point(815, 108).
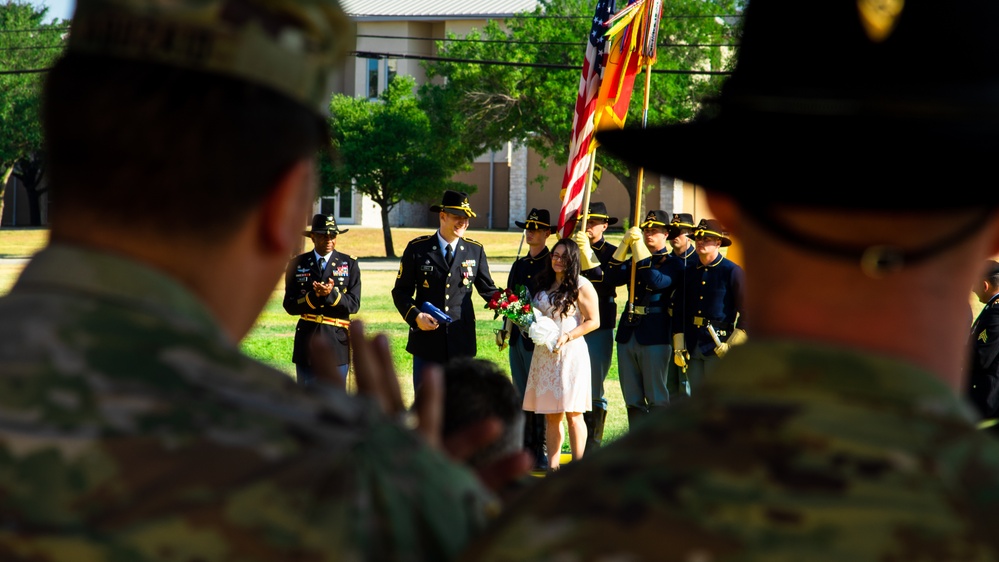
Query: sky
point(58, 9)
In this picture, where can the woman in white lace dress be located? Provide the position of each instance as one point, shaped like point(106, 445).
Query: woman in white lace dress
point(558, 383)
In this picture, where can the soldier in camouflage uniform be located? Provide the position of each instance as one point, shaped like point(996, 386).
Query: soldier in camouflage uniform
point(836, 432)
point(182, 138)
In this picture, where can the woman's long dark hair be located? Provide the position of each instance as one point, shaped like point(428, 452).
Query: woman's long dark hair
point(564, 297)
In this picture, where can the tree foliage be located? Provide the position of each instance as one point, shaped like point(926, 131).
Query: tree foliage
point(389, 150)
point(502, 103)
point(27, 43)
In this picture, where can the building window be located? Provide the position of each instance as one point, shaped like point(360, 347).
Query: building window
point(341, 206)
point(379, 74)
point(390, 71)
point(345, 204)
point(372, 79)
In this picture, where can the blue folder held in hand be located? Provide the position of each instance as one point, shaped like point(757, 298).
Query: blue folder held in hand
point(437, 313)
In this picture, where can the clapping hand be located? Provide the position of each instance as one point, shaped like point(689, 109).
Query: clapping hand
point(322, 289)
point(376, 378)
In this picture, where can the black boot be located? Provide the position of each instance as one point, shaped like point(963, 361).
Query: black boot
point(588, 419)
point(534, 439)
point(540, 453)
point(594, 428)
point(635, 417)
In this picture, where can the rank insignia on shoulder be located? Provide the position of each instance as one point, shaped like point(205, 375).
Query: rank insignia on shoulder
point(426, 285)
point(983, 337)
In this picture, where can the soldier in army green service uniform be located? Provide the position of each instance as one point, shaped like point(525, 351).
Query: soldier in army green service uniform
point(181, 139)
point(837, 431)
point(983, 366)
point(442, 269)
point(323, 288)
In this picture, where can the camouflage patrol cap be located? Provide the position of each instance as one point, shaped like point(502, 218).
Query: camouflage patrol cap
point(291, 46)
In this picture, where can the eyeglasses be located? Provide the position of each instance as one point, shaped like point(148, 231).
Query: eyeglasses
point(559, 257)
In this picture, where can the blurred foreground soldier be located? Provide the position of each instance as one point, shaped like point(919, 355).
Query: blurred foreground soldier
point(182, 165)
point(708, 320)
point(599, 342)
point(442, 269)
point(836, 432)
point(476, 389)
point(644, 353)
point(323, 287)
point(525, 271)
point(983, 372)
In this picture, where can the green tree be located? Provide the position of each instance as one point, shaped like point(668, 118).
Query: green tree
point(389, 150)
point(501, 103)
point(28, 46)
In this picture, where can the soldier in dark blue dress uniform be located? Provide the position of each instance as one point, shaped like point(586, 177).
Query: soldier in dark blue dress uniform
point(983, 372)
point(599, 342)
point(712, 318)
point(643, 347)
point(524, 272)
point(323, 288)
point(442, 269)
point(682, 261)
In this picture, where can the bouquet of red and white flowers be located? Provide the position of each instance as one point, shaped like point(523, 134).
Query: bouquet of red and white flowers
point(516, 305)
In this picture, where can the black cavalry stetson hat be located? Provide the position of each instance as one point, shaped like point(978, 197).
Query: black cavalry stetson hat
point(454, 202)
point(324, 224)
point(711, 227)
point(851, 104)
point(679, 222)
point(538, 219)
point(599, 211)
point(656, 218)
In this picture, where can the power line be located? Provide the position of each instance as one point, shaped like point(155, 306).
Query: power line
point(35, 29)
point(373, 55)
point(542, 43)
point(24, 71)
point(32, 48)
point(515, 16)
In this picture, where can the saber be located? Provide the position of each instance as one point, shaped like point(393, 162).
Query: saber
point(714, 335)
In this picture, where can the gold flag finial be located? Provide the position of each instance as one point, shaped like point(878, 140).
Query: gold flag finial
point(879, 16)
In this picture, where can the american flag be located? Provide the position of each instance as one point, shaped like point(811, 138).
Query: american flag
point(581, 145)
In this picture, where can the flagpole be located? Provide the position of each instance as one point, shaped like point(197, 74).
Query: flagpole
point(586, 194)
point(637, 212)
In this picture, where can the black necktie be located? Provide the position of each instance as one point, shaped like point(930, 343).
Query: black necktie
point(448, 255)
point(322, 266)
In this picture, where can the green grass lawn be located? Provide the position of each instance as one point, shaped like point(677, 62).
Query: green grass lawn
point(271, 339)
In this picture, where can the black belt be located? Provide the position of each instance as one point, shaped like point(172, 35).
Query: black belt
point(645, 310)
point(720, 327)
